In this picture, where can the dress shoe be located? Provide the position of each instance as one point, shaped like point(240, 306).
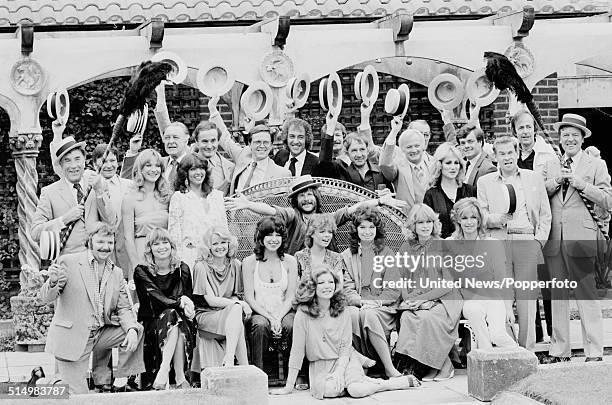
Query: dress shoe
point(554, 359)
point(589, 359)
point(104, 388)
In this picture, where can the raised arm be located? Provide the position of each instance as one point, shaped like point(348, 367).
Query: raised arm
point(388, 166)
point(226, 142)
point(161, 110)
point(58, 128)
point(241, 203)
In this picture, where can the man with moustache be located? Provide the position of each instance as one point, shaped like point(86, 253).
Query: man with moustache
point(92, 311)
point(517, 211)
point(297, 135)
point(471, 142)
point(572, 248)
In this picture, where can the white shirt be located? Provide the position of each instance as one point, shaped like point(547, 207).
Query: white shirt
point(259, 174)
point(575, 160)
point(520, 217)
point(73, 190)
point(117, 189)
point(299, 164)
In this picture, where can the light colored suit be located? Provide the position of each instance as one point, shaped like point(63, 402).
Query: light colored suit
point(56, 200)
point(543, 153)
point(242, 157)
point(69, 338)
point(572, 249)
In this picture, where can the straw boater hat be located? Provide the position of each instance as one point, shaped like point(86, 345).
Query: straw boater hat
point(397, 100)
point(445, 91)
point(66, 145)
point(573, 120)
point(302, 183)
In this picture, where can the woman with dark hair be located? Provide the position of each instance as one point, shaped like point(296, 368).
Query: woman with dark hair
point(320, 232)
point(270, 279)
point(447, 186)
point(429, 314)
point(373, 301)
point(322, 333)
point(194, 207)
point(163, 285)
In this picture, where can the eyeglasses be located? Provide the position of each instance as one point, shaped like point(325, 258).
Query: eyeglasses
point(260, 143)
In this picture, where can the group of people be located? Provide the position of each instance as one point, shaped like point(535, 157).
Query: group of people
point(161, 227)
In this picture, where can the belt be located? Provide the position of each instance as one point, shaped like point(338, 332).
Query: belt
point(520, 231)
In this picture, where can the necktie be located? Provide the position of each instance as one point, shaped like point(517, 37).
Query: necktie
point(467, 166)
point(565, 184)
point(247, 183)
point(419, 174)
point(172, 175)
point(64, 235)
point(292, 163)
point(79, 191)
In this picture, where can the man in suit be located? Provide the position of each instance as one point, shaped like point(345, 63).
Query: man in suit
point(471, 141)
point(92, 311)
point(572, 248)
point(206, 138)
point(518, 212)
point(60, 203)
point(407, 171)
point(297, 137)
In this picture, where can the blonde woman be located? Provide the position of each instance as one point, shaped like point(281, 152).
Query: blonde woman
point(146, 206)
point(217, 284)
point(447, 186)
point(163, 285)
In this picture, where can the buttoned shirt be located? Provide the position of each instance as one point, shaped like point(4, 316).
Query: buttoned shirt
point(259, 174)
point(216, 172)
point(575, 160)
point(73, 190)
point(520, 217)
point(299, 164)
point(422, 167)
point(170, 164)
point(97, 280)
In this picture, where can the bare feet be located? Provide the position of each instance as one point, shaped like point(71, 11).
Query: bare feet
point(392, 373)
point(365, 362)
point(404, 382)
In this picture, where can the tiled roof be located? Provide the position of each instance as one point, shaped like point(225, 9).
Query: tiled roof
point(70, 12)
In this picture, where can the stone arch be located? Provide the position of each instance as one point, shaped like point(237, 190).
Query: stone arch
point(13, 112)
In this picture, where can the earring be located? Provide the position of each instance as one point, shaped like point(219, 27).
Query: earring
point(186, 183)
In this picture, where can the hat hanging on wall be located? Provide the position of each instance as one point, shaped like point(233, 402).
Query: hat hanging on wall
point(330, 94)
point(366, 85)
point(445, 91)
point(215, 80)
point(179, 68)
point(479, 89)
point(298, 90)
point(397, 100)
point(58, 105)
point(256, 101)
point(49, 245)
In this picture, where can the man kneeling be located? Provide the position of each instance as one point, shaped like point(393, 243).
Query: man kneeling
point(92, 312)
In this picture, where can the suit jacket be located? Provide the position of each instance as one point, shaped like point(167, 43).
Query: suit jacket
point(74, 309)
point(482, 166)
point(242, 157)
point(536, 199)
point(310, 161)
point(571, 221)
point(543, 153)
point(56, 200)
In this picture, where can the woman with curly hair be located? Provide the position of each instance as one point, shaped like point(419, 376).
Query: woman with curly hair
point(217, 283)
point(373, 303)
point(145, 207)
point(320, 232)
point(322, 333)
point(447, 186)
point(270, 279)
point(163, 285)
point(195, 206)
point(429, 314)
point(488, 309)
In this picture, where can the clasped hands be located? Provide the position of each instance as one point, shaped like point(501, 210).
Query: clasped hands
point(57, 275)
point(572, 179)
point(187, 306)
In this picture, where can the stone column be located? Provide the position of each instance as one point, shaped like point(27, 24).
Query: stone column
point(30, 315)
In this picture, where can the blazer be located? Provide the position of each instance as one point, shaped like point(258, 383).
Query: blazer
point(310, 161)
point(571, 221)
point(57, 199)
point(242, 157)
point(536, 199)
point(74, 309)
point(482, 166)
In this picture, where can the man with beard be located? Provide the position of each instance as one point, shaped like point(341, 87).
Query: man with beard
point(297, 135)
point(471, 141)
point(92, 311)
point(305, 200)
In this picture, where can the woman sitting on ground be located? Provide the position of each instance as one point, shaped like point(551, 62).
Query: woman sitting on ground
point(163, 285)
point(322, 333)
point(270, 279)
point(320, 232)
point(217, 282)
point(429, 316)
point(484, 308)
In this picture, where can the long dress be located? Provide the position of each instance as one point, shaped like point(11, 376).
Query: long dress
point(226, 283)
point(427, 335)
point(160, 311)
point(190, 217)
point(323, 341)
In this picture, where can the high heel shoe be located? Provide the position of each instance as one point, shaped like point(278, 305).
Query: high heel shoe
point(451, 375)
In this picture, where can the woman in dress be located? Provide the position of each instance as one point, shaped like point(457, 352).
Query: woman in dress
point(429, 316)
point(270, 280)
point(322, 333)
point(320, 232)
point(485, 308)
point(447, 186)
point(194, 207)
point(146, 207)
point(163, 285)
point(217, 282)
point(372, 306)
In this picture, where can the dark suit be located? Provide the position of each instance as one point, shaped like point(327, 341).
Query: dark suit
point(482, 166)
point(310, 161)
